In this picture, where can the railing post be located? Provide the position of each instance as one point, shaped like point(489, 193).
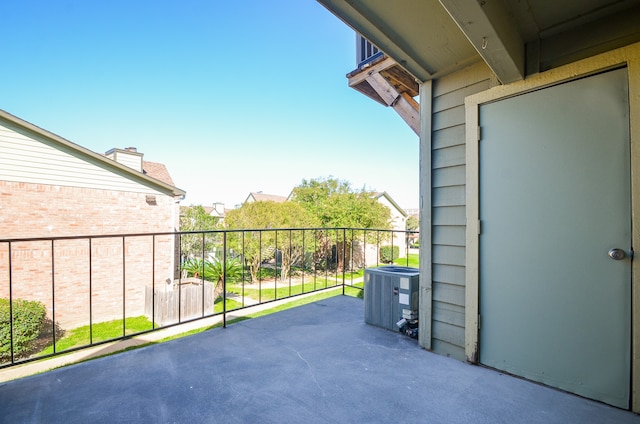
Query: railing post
point(11, 303)
point(378, 247)
point(91, 292)
point(242, 267)
point(53, 296)
point(180, 280)
point(260, 266)
point(393, 260)
point(275, 280)
point(290, 256)
point(344, 258)
point(124, 288)
point(153, 281)
point(203, 279)
point(351, 267)
point(224, 280)
point(304, 260)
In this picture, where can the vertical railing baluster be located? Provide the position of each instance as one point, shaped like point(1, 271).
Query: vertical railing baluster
point(352, 252)
point(290, 257)
point(242, 267)
point(124, 288)
point(203, 279)
point(90, 292)
point(344, 258)
point(11, 329)
point(364, 249)
point(260, 266)
point(153, 281)
point(224, 279)
point(180, 282)
point(327, 260)
point(378, 248)
point(406, 247)
point(337, 256)
point(275, 256)
point(53, 296)
point(304, 260)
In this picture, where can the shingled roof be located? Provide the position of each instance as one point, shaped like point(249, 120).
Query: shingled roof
point(158, 171)
point(262, 197)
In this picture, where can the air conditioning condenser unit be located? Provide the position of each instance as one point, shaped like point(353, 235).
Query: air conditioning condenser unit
point(391, 294)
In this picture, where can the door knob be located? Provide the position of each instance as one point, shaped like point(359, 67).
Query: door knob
point(617, 254)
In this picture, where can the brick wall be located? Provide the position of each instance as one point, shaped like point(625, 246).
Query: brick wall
point(70, 275)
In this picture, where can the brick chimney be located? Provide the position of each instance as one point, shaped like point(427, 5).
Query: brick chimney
point(128, 156)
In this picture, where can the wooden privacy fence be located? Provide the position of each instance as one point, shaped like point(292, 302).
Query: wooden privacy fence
point(191, 297)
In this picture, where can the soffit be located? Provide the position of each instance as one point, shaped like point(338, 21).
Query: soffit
point(431, 38)
point(419, 35)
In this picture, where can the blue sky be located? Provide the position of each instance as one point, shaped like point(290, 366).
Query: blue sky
point(233, 96)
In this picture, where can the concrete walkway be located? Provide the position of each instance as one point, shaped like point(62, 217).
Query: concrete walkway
point(317, 363)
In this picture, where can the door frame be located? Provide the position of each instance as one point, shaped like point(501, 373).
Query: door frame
point(627, 56)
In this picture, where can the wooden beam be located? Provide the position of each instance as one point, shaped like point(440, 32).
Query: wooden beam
point(493, 33)
point(356, 77)
point(402, 103)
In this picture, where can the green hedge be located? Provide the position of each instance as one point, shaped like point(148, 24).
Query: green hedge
point(28, 319)
point(389, 253)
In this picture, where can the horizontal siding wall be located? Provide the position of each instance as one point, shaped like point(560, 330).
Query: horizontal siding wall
point(27, 160)
point(448, 205)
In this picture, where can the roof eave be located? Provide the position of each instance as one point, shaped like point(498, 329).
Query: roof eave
point(90, 155)
point(489, 32)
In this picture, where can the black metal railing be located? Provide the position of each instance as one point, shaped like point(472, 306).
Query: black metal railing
point(366, 52)
point(92, 290)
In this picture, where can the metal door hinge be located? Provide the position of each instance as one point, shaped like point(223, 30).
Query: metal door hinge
point(479, 321)
point(479, 133)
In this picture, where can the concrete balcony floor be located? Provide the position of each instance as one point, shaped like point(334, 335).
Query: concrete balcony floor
point(318, 363)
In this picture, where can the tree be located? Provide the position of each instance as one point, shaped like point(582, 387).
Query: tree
point(256, 244)
point(195, 218)
point(412, 223)
point(336, 204)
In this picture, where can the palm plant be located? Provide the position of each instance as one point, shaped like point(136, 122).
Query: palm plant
point(214, 270)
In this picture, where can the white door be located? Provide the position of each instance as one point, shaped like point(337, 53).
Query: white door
point(555, 295)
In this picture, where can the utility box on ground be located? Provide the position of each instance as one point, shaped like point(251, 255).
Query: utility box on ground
point(391, 294)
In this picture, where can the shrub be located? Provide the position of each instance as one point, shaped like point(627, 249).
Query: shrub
point(28, 319)
point(389, 253)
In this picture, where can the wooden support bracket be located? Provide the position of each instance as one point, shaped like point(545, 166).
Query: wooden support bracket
point(402, 103)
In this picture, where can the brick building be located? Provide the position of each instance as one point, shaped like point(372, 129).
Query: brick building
point(51, 188)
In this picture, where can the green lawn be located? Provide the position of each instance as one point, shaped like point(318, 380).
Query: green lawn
point(231, 305)
point(269, 292)
point(81, 336)
point(109, 330)
point(414, 260)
